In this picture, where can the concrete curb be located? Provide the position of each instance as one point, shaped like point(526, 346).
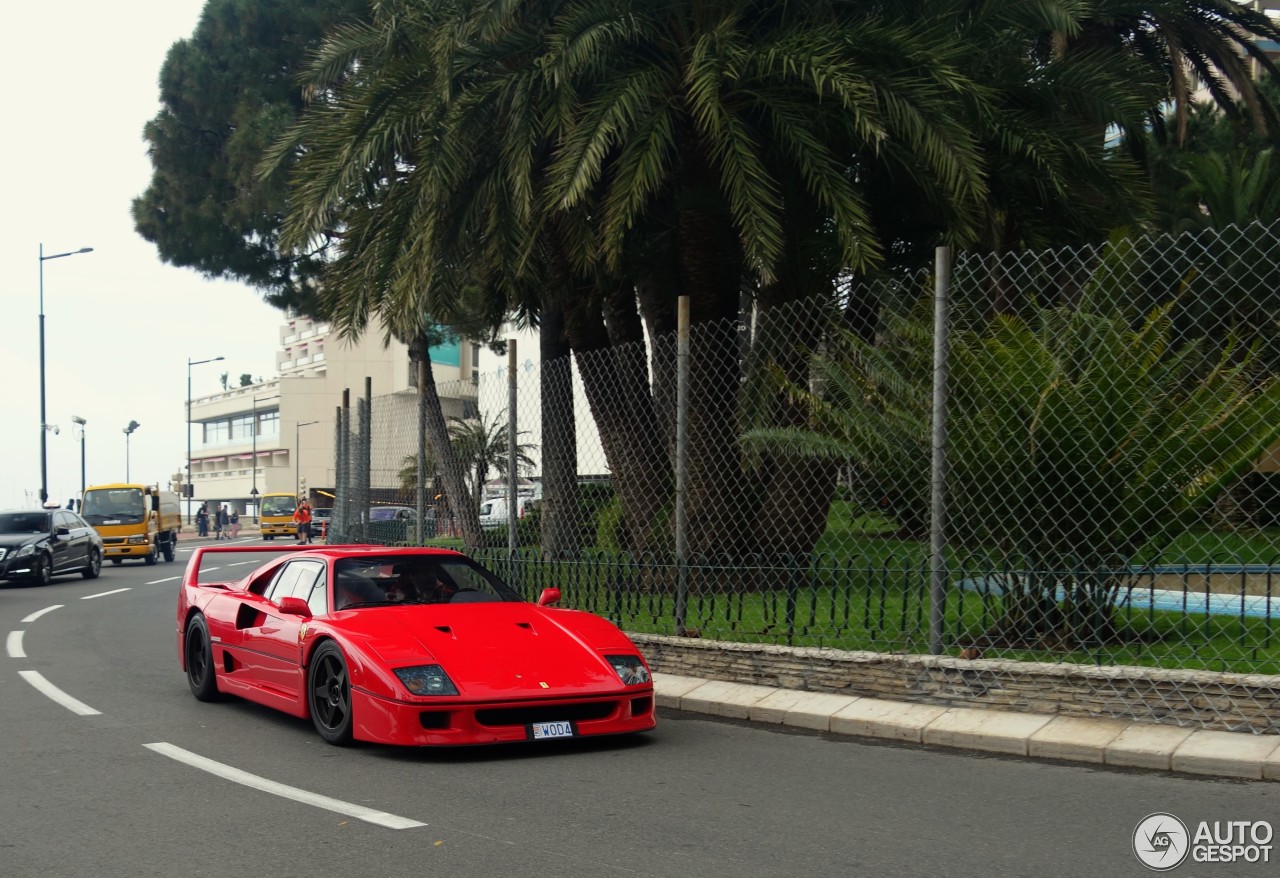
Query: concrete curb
point(1103, 741)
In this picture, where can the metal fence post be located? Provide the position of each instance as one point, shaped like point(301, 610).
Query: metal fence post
point(938, 464)
point(420, 488)
point(682, 459)
point(337, 530)
point(512, 476)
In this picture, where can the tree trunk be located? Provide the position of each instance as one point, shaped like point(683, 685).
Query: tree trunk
point(710, 264)
point(627, 427)
point(437, 434)
point(561, 511)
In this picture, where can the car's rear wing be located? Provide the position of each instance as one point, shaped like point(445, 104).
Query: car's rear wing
point(192, 574)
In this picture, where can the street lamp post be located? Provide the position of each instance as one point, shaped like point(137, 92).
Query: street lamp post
point(44, 420)
point(80, 422)
point(253, 492)
point(297, 462)
point(128, 431)
point(190, 488)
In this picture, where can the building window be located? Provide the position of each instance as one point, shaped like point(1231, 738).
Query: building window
point(242, 427)
point(216, 432)
point(269, 423)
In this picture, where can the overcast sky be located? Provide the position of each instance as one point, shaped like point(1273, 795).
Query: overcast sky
point(119, 325)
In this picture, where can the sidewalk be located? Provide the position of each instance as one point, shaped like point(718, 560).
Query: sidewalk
point(1121, 743)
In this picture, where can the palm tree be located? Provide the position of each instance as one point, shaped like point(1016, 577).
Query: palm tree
point(483, 445)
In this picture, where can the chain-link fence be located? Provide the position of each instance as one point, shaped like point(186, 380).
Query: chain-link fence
point(1079, 468)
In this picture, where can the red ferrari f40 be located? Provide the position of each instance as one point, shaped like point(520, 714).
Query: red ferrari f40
point(406, 646)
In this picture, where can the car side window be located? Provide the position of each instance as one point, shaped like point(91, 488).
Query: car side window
point(62, 519)
point(299, 579)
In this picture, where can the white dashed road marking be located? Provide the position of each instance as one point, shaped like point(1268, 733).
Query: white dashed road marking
point(14, 645)
point(158, 581)
point(235, 775)
point(36, 679)
point(103, 594)
point(38, 613)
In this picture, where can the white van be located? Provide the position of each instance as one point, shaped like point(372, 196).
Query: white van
point(493, 513)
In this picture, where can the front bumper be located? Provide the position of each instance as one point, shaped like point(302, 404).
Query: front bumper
point(448, 723)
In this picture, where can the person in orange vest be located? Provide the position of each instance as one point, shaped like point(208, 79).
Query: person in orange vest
point(302, 518)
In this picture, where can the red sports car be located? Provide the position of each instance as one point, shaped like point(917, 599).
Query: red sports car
point(407, 646)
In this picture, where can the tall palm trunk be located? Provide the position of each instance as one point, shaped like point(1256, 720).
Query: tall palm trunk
point(465, 510)
point(711, 266)
point(627, 426)
point(561, 512)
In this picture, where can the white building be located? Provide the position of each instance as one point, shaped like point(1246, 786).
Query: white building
point(278, 435)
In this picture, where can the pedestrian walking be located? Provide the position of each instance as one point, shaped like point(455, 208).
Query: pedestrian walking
point(234, 520)
point(222, 522)
point(202, 520)
point(302, 518)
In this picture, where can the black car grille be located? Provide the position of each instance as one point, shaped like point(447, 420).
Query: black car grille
point(522, 716)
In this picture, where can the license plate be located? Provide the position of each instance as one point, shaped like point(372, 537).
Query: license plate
point(552, 730)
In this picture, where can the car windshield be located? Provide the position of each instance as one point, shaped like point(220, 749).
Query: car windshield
point(114, 506)
point(428, 579)
point(24, 523)
point(321, 513)
point(279, 505)
point(389, 513)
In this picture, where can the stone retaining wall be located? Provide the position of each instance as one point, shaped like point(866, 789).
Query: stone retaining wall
point(1229, 702)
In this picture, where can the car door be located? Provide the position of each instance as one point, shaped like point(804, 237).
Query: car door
point(62, 542)
point(277, 638)
point(81, 540)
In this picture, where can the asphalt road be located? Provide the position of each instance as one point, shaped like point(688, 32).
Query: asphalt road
point(84, 795)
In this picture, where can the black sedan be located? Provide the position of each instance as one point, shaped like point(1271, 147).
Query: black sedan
point(39, 544)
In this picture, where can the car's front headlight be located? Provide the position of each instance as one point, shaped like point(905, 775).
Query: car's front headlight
point(25, 551)
point(426, 680)
point(138, 540)
point(630, 668)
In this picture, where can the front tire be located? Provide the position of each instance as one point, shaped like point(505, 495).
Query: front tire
point(199, 655)
point(43, 574)
point(329, 694)
point(117, 561)
point(169, 551)
point(153, 556)
point(95, 565)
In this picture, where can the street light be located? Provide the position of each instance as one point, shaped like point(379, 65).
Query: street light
point(191, 489)
point(297, 462)
point(128, 431)
point(80, 422)
point(44, 420)
point(253, 492)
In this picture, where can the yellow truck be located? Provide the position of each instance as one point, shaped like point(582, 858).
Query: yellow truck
point(134, 521)
point(276, 519)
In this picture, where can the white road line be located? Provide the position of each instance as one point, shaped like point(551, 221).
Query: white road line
point(38, 613)
point(103, 594)
point(36, 679)
point(235, 775)
point(14, 645)
point(158, 581)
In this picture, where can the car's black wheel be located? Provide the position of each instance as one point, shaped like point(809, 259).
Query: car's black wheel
point(199, 655)
point(42, 573)
point(153, 556)
point(329, 694)
point(269, 538)
point(117, 561)
point(94, 567)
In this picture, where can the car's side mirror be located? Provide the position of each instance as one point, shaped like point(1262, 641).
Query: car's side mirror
point(295, 606)
point(548, 597)
point(62, 530)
